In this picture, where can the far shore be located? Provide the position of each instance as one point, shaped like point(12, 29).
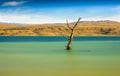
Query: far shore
point(101, 28)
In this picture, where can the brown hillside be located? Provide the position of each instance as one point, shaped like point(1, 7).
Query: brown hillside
point(84, 28)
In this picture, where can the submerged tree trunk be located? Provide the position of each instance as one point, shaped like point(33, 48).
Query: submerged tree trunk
point(70, 41)
point(71, 35)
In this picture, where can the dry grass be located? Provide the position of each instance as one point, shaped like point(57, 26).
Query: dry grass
point(103, 28)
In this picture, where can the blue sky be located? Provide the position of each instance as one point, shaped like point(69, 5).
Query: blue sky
point(57, 11)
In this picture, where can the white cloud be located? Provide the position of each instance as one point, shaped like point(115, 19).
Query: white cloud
point(115, 18)
point(28, 19)
point(94, 18)
point(98, 18)
point(13, 3)
point(41, 19)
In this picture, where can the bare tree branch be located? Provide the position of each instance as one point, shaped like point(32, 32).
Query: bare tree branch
point(68, 24)
point(76, 23)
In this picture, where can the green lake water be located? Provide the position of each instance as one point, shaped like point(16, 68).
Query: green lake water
point(87, 58)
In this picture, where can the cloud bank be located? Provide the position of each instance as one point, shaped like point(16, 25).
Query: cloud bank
point(28, 19)
point(57, 15)
point(41, 19)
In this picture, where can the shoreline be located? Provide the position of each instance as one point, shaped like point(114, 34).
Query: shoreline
point(68, 36)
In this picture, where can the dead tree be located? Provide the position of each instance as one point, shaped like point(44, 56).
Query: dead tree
point(71, 34)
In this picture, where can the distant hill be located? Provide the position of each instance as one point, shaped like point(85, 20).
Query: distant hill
point(84, 28)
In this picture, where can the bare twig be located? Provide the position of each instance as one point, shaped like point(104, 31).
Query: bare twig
point(76, 23)
point(64, 36)
point(68, 24)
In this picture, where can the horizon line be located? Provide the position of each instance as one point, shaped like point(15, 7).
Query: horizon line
point(55, 22)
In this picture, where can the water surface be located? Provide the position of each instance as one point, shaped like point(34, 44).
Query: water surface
point(87, 58)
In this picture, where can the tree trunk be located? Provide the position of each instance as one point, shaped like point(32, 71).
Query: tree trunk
point(70, 41)
point(71, 35)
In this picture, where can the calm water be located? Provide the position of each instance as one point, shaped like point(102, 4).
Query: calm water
point(99, 57)
point(56, 38)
